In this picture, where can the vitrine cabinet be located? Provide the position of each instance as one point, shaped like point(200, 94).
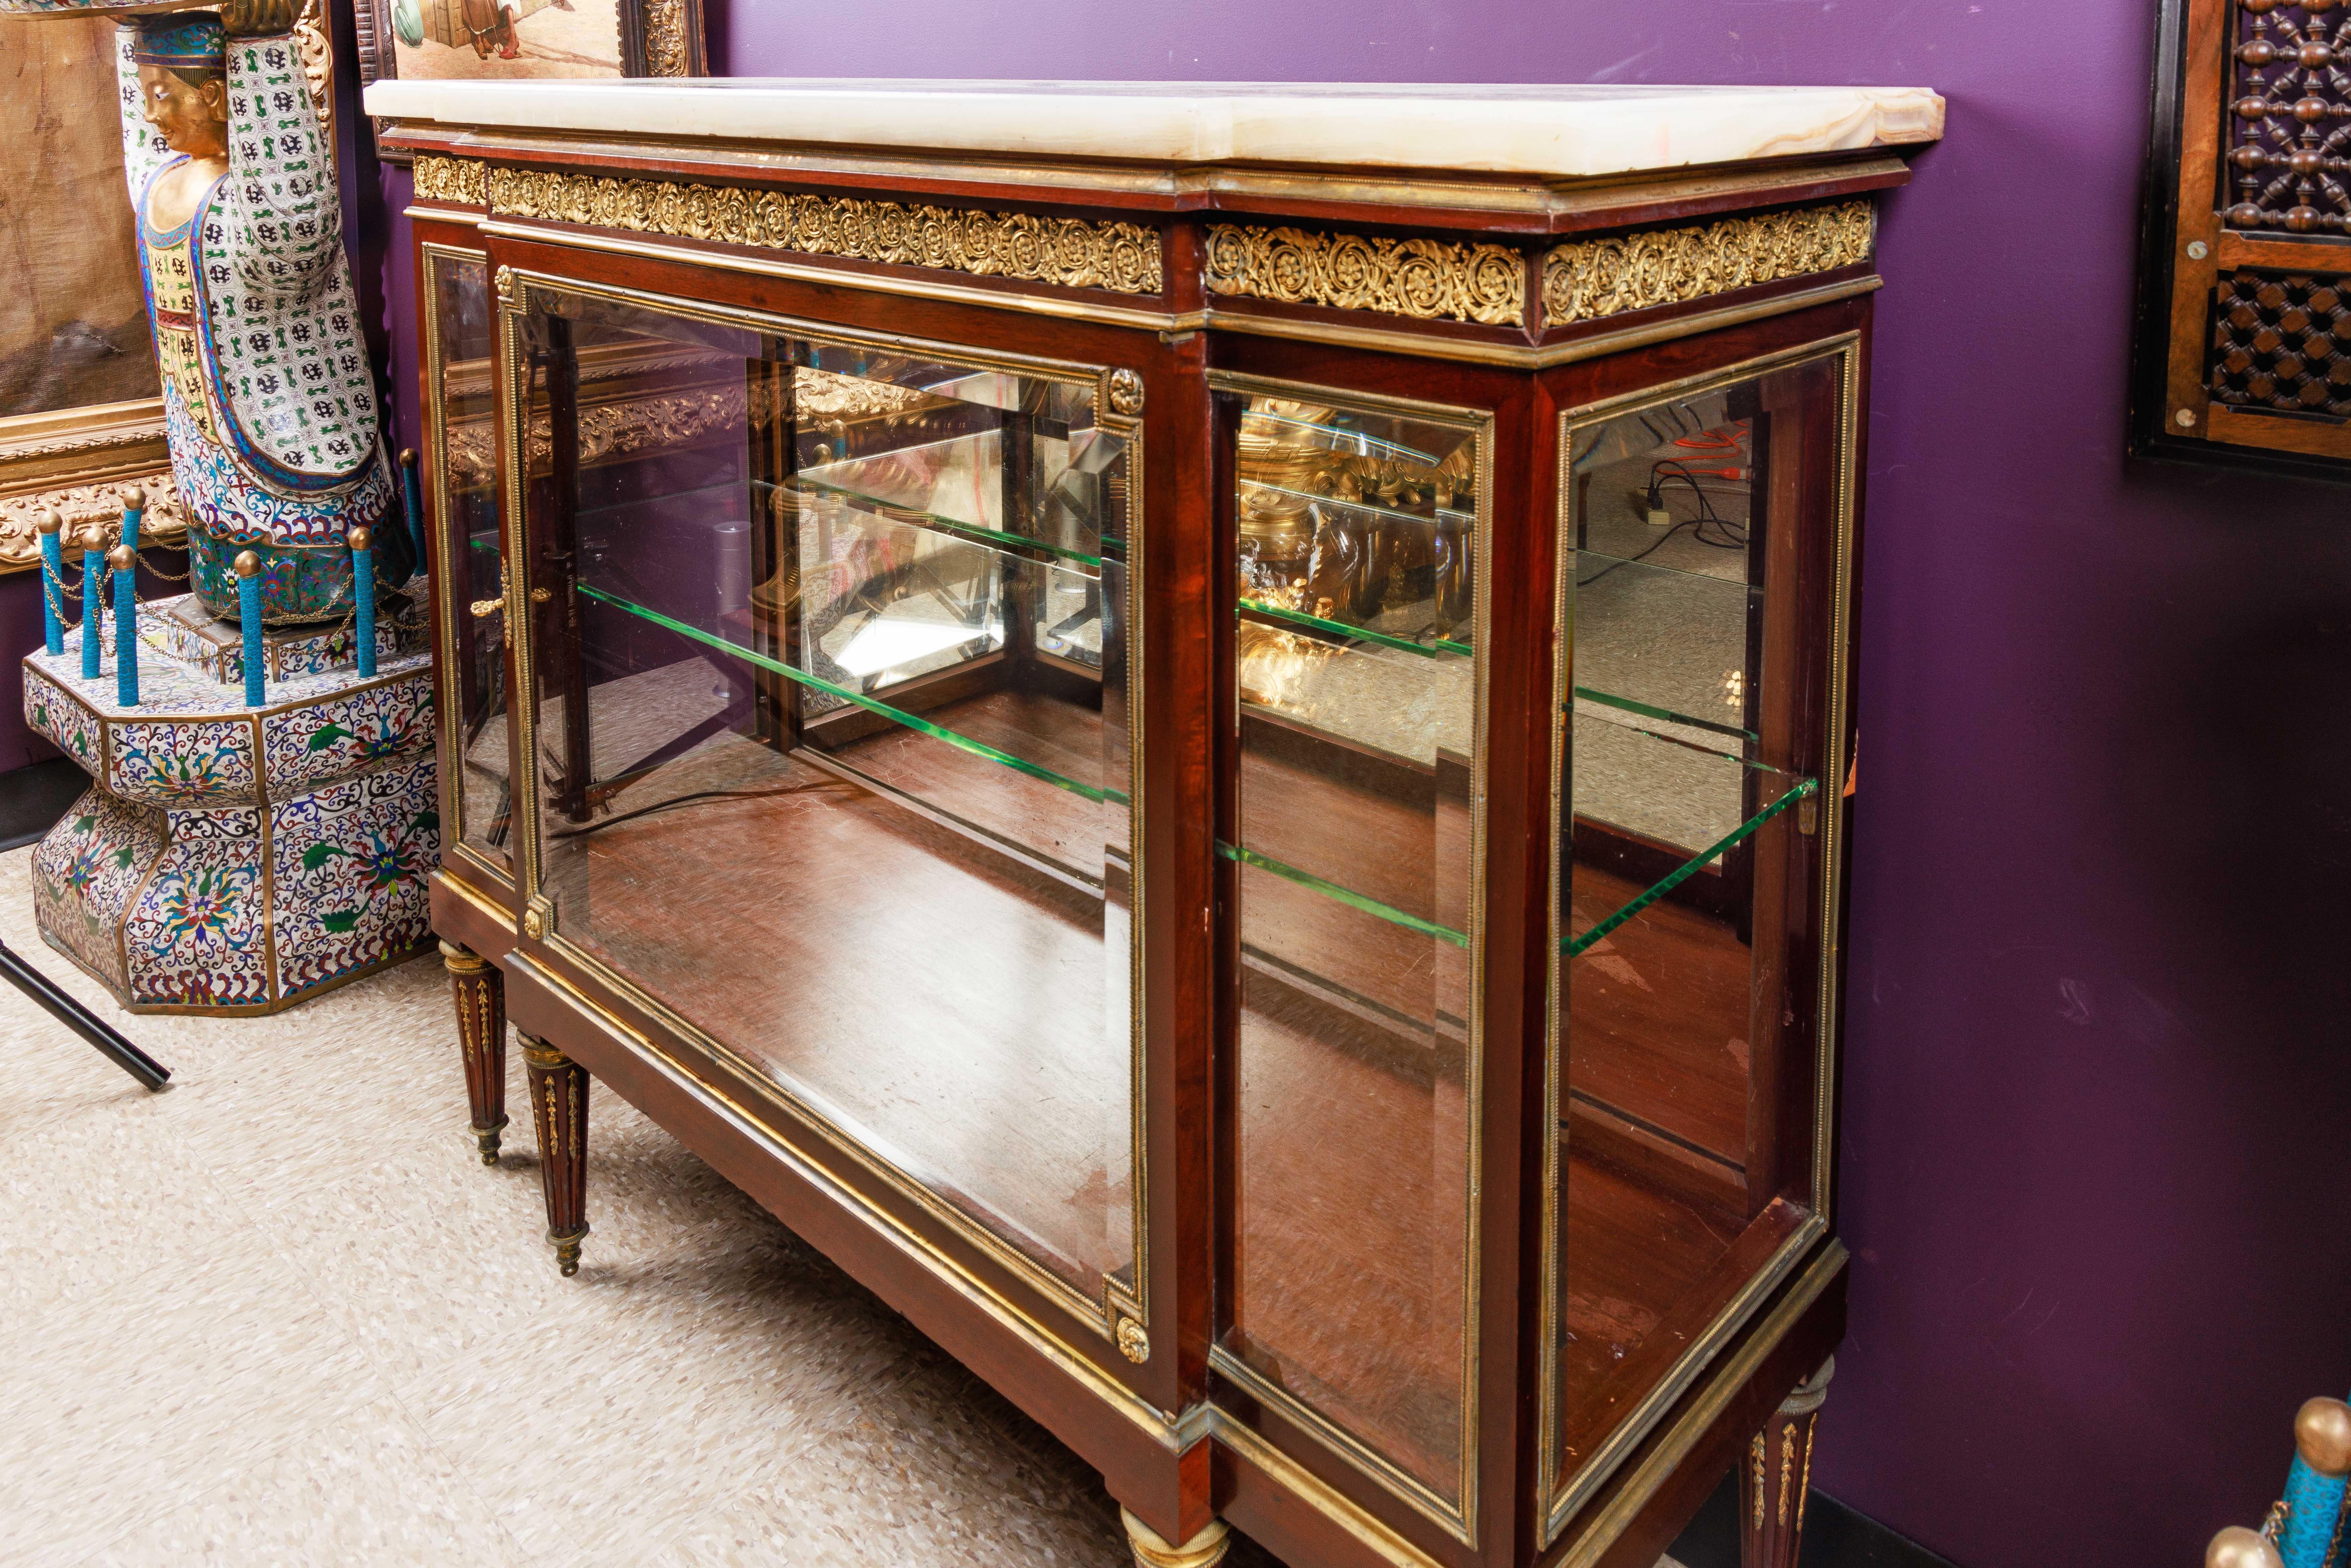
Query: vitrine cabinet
point(1206, 734)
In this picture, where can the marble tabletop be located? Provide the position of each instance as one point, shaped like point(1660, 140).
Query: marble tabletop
point(1545, 133)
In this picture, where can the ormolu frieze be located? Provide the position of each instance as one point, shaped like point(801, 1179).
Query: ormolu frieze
point(457, 180)
point(1425, 278)
point(1593, 278)
point(1122, 257)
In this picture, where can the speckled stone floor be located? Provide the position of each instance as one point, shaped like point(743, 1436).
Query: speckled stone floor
point(281, 1314)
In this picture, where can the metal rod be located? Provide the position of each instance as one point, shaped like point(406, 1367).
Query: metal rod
point(93, 595)
point(364, 598)
point(248, 607)
point(82, 1022)
point(410, 479)
point(125, 562)
point(53, 586)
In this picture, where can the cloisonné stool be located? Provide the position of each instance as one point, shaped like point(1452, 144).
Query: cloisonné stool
point(235, 859)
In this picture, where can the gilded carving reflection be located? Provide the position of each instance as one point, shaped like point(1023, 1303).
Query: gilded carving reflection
point(1591, 279)
point(665, 51)
point(163, 523)
point(1121, 257)
point(1423, 278)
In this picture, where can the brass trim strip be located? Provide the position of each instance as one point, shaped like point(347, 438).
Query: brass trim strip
point(1832, 807)
point(1654, 1470)
point(1845, 350)
point(460, 851)
point(450, 716)
point(522, 697)
point(514, 291)
point(1375, 1466)
point(1319, 1495)
point(1479, 425)
point(417, 213)
point(457, 887)
point(1174, 1433)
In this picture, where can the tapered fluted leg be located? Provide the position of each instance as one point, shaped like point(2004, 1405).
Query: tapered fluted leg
point(481, 996)
point(1777, 1474)
point(558, 1108)
point(1151, 1550)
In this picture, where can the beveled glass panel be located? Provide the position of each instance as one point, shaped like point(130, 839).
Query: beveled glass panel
point(1355, 628)
point(467, 441)
point(1691, 736)
point(831, 730)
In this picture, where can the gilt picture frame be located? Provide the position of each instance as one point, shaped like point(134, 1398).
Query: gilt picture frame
point(527, 40)
point(81, 410)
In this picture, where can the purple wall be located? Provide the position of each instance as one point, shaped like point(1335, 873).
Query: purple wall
point(2096, 1083)
point(20, 634)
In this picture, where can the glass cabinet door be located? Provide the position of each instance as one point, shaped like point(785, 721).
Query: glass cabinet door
point(829, 653)
point(1699, 705)
point(1356, 621)
point(460, 344)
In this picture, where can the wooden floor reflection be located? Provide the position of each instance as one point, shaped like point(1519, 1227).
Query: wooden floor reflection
point(962, 1014)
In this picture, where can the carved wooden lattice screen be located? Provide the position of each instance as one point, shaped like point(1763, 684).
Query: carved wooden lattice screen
point(2246, 352)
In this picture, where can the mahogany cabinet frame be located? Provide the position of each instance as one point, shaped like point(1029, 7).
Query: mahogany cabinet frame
point(1180, 1439)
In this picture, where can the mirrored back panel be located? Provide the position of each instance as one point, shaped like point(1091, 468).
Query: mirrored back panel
point(830, 741)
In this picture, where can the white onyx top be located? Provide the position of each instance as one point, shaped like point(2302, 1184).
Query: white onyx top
point(1546, 132)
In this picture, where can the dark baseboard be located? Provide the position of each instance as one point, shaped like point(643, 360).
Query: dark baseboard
point(34, 797)
point(1834, 1537)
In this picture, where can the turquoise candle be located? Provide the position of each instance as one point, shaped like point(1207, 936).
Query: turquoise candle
point(52, 583)
point(364, 598)
point(125, 562)
point(2314, 1482)
point(93, 599)
point(248, 614)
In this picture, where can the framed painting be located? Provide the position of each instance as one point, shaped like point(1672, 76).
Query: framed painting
point(530, 40)
point(81, 413)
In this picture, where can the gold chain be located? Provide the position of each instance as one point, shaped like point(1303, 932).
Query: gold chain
point(159, 571)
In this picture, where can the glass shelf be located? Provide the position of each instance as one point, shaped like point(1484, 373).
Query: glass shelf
point(1578, 943)
point(914, 722)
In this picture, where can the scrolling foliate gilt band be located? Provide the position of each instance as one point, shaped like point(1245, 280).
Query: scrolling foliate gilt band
point(459, 180)
point(1424, 278)
point(1121, 258)
point(1588, 279)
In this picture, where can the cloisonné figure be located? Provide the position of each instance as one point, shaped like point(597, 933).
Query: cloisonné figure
point(269, 401)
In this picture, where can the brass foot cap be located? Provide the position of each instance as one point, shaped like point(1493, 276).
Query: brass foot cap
point(1152, 1550)
point(567, 1251)
point(486, 1139)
